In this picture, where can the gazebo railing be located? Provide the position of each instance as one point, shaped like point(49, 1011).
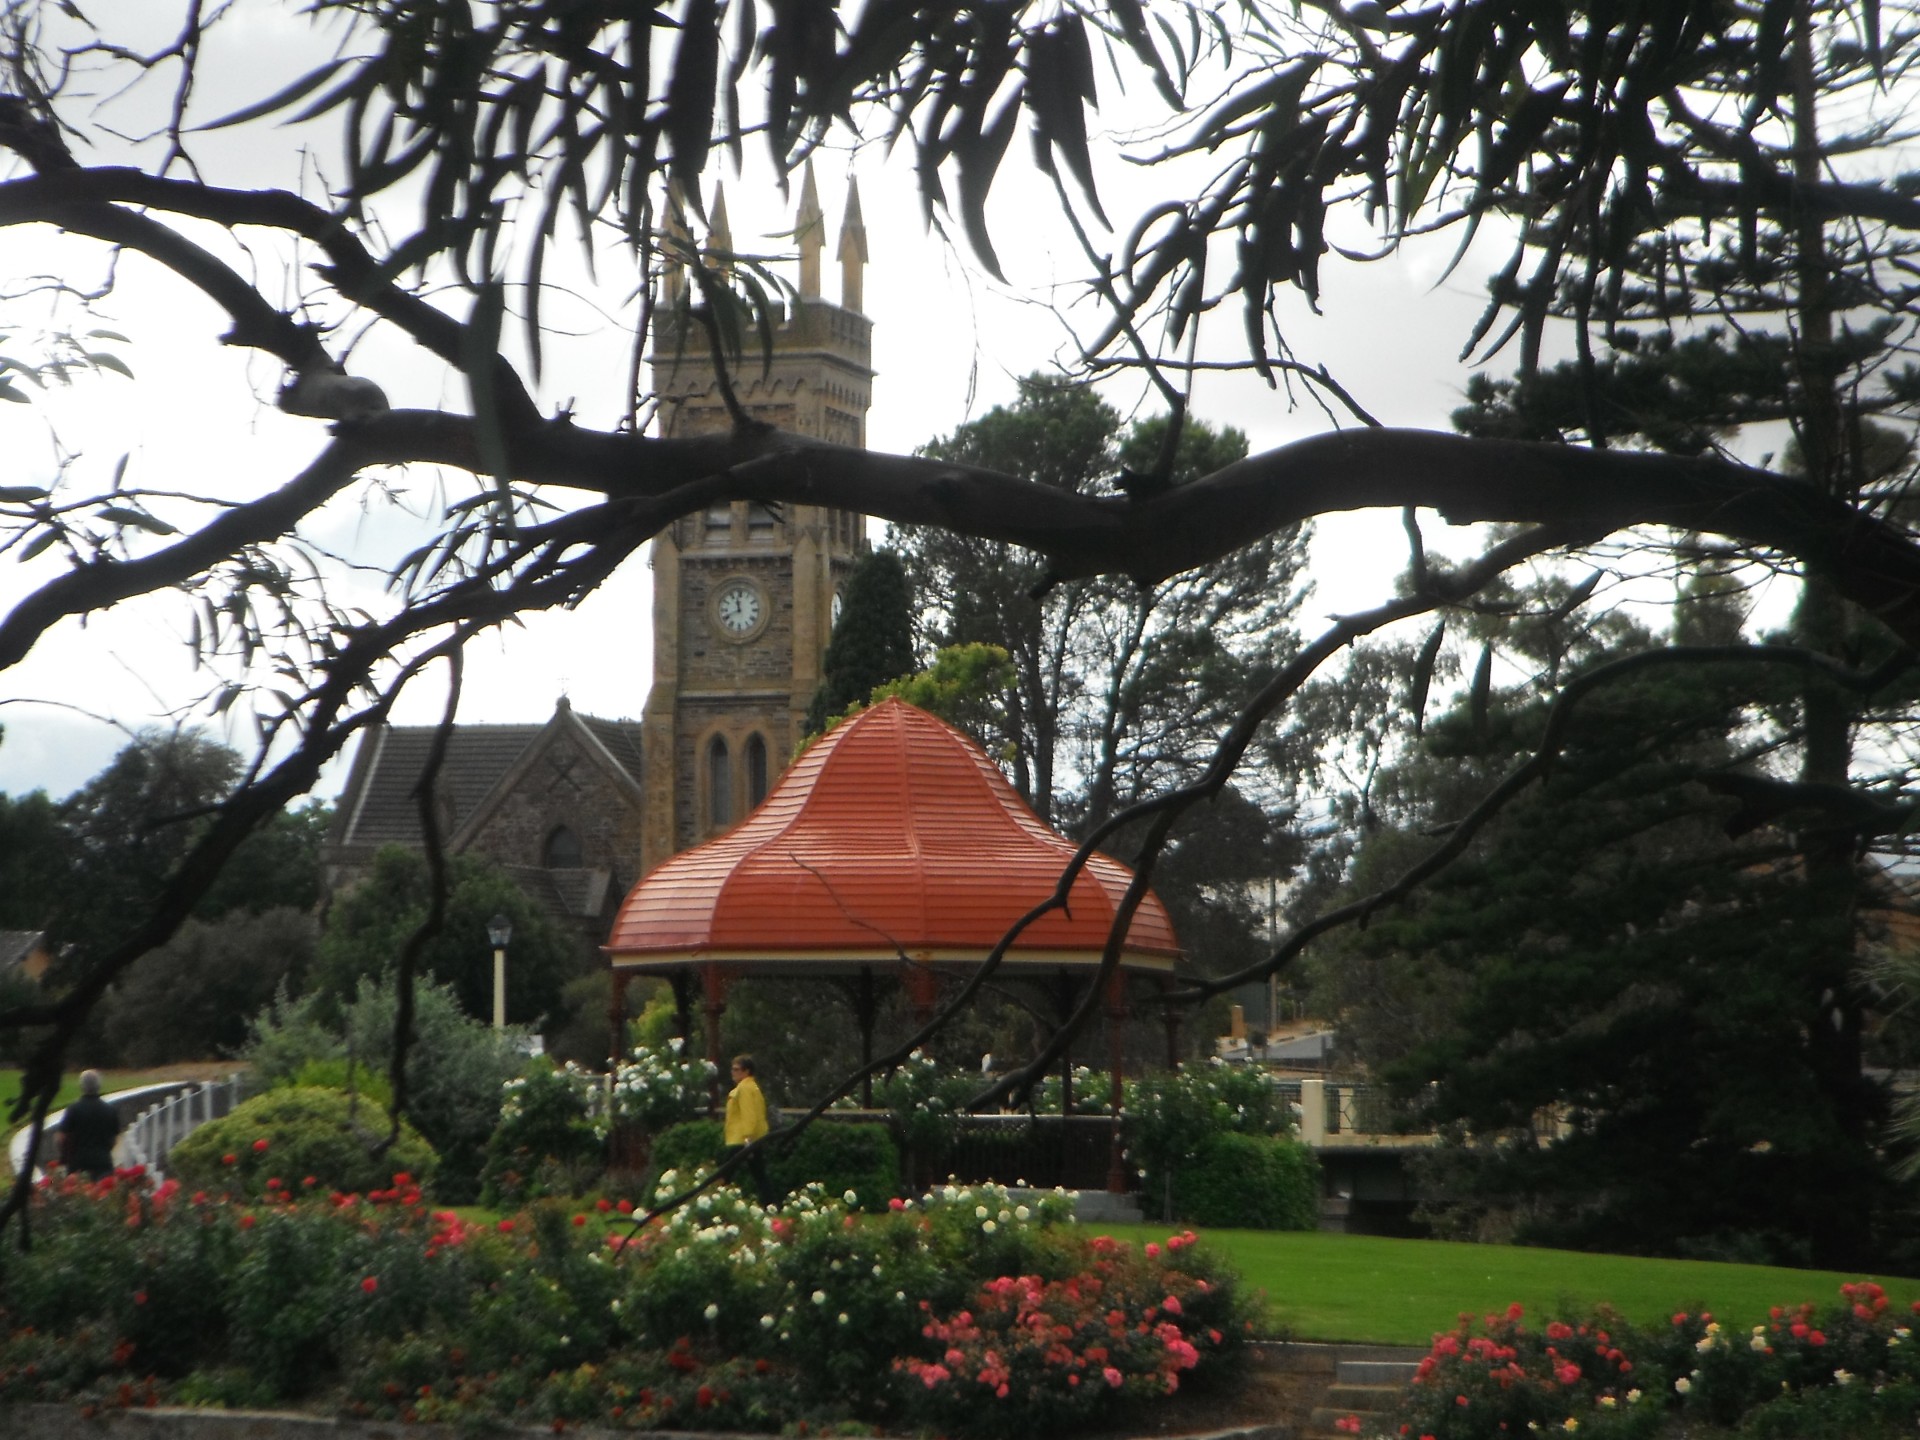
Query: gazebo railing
point(1043, 1151)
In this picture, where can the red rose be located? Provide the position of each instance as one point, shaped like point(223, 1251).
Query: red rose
point(260, 1146)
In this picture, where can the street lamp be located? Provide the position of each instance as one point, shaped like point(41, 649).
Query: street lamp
point(500, 931)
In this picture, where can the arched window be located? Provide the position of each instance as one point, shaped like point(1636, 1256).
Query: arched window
point(719, 784)
point(756, 770)
point(563, 850)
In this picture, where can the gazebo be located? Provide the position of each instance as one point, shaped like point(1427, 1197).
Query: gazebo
point(893, 851)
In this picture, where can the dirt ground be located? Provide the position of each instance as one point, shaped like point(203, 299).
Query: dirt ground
point(1262, 1396)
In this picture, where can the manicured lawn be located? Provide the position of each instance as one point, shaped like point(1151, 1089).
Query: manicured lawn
point(1354, 1287)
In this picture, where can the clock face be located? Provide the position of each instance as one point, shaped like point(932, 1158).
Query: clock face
point(739, 609)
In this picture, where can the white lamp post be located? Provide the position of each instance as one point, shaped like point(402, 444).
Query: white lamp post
point(500, 931)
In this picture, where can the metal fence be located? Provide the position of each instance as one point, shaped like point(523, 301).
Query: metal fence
point(1042, 1151)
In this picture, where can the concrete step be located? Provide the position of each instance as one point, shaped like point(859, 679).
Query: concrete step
point(1397, 1373)
point(1368, 1389)
point(1374, 1399)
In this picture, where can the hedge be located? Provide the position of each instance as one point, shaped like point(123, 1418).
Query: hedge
point(1249, 1182)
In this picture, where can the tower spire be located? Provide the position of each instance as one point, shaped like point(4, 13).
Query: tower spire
point(673, 280)
point(719, 247)
point(810, 231)
point(853, 251)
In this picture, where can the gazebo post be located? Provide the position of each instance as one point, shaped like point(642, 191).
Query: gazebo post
point(1170, 1018)
point(713, 979)
point(923, 992)
point(1066, 995)
point(682, 983)
point(866, 1007)
point(1116, 1062)
point(616, 1017)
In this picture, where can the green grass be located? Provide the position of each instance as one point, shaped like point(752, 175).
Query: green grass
point(1322, 1286)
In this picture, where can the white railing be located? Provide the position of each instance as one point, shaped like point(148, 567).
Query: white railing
point(127, 1104)
point(158, 1128)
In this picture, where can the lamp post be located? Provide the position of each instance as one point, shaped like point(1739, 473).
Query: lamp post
point(500, 931)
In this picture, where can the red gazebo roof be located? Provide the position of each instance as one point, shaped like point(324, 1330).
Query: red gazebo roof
point(894, 833)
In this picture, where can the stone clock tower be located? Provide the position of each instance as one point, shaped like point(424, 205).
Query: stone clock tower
point(744, 598)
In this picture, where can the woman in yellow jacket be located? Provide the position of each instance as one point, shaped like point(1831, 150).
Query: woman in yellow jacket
point(747, 1122)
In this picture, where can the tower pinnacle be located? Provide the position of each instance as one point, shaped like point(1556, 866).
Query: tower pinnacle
point(853, 251)
point(719, 246)
point(678, 249)
point(810, 231)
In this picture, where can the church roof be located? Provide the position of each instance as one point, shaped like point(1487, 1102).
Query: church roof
point(377, 807)
point(893, 836)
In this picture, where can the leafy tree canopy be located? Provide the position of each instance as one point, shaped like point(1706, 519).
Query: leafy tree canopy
point(370, 924)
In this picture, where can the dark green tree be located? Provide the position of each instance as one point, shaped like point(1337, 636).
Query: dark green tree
point(130, 826)
point(369, 924)
point(872, 640)
point(33, 860)
point(193, 997)
point(1616, 1001)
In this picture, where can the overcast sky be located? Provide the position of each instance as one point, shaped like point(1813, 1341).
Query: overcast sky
point(948, 345)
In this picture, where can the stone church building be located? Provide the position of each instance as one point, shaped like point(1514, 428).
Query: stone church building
point(577, 808)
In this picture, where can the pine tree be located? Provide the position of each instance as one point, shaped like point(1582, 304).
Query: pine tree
point(872, 642)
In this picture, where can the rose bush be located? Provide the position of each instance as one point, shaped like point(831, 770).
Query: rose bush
point(1848, 1372)
point(657, 1086)
point(726, 1314)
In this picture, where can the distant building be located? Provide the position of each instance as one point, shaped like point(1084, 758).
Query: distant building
point(25, 951)
point(558, 806)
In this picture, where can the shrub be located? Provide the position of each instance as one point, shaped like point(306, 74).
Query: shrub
point(1171, 1115)
point(292, 1133)
point(843, 1158)
point(1076, 1350)
point(805, 1318)
point(1249, 1182)
point(546, 1141)
point(337, 1074)
point(926, 1102)
point(654, 1088)
point(689, 1145)
point(1852, 1372)
point(455, 1066)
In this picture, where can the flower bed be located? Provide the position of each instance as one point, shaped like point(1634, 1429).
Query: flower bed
point(960, 1312)
point(1849, 1372)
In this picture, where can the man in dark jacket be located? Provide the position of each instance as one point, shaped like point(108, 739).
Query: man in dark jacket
point(88, 1130)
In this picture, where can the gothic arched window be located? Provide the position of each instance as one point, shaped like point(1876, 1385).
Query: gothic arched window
point(719, 784)
point(756, 770)
point(563, 850)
